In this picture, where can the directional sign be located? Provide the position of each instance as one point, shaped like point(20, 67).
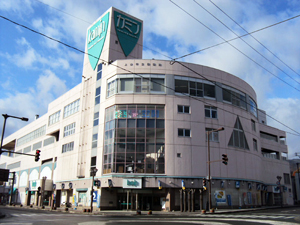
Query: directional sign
point(95, 196)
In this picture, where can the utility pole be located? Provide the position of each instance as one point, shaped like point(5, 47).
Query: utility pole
point(93, 173)
point(12, 187)
point(208, 154)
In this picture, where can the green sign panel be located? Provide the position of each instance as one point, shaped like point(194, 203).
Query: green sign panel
point(128, 31)
point(134, 183)
point(95, 39)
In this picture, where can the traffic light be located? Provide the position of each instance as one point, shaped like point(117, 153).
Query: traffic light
point(204, 184)
point(224, 159)
point(96, 182)
point(37, 155)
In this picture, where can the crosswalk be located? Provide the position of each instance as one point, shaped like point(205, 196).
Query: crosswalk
point(43, 215)
point(249, 216)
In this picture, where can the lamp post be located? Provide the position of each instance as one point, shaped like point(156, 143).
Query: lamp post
point(208, 154)
point(93, 173)
point(3, 129)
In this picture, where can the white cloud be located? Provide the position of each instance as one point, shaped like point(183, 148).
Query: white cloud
point(34, 101)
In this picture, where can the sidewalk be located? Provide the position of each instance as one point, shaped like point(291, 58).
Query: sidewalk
point(96, 211)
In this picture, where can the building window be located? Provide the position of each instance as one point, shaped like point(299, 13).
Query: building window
point(99, 71)
point(267, 136)
point(134, 139)
point(253, 125)
point(213, 136)
point(234, 96)
point(96, 119)
point(111, 88)
point(195, 88)
point(32, 135)
point(184, 132)
point(71, 108)
point(178, 155)
point(97, 95)
point(147, 84)
point(284, 156)
point(211, 112)
point(238, 138)
point(93, 163)
point(70, 129)
point(54, 118)
point(270, 154)
point(255, 144)
point(68, 147)
point(95, 141)
point(253, 107)
point(183, 109)
point(286, 178)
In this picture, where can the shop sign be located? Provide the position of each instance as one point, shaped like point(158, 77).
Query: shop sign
point(220, 196)
point(95, 39)
point(276, 189)
point(34, 184)
point(132, 183)
point(128, 31)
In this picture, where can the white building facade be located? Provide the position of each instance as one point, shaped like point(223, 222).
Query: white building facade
point(143, 124)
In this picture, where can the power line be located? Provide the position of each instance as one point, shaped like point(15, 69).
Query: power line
point(246, 42)
point(235, 37)
point(254, 38)
point(234, 47)
point(136, 73)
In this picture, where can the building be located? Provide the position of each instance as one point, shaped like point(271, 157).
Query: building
point(143, 125)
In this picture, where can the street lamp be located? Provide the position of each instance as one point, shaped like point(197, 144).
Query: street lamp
point(93, 173)
point(4, 122)
point(208, 154)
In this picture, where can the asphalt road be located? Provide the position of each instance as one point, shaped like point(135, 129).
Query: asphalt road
point(285, 216)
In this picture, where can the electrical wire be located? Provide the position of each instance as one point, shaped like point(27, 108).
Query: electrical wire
point(254, 38)
point(236, 48)
point(246, 42)
point(298, 134)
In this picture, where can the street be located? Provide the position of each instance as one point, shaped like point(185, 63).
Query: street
point(282, 216)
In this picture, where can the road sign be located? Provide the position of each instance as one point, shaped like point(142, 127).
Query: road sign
point(95, 196)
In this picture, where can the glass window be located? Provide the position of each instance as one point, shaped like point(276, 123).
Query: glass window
point(71, 108)
point(158, 84)
point(69, 130)
point(99, 71)
point(255, 144)
point(94, 140)
point(238, 138)
point(126, 84)
point(139, 136)
point(184, 132)
point(253, 107)
point(54, 118)
point(68, 147)
point(209, 91)
point(181, 86)
point(211, 112)
point(253, 125)
point(96, 119)
point(183, 109)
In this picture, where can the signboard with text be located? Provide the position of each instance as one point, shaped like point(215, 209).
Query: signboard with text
point(132, 183)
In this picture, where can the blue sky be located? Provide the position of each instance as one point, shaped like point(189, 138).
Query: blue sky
point(35, 70)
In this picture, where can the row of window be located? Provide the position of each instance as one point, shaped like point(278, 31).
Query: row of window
point(151, 83)
point(68, 110)
point(136, 84)
point(31, 136)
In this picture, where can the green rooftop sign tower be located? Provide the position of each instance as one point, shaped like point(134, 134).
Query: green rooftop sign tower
point(128, 31)
point(96, 36)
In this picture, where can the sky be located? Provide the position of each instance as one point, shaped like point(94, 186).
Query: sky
point(35, 70)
